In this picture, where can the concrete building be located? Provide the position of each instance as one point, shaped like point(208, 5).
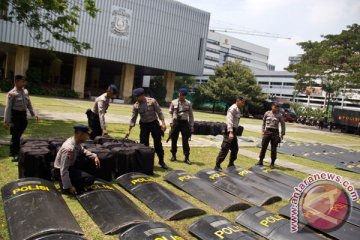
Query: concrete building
point(295, 59)
point(221, 48)
point(129, 39)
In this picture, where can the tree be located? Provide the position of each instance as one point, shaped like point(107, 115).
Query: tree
point(158, 90)
point(184, 81)
point(231, 80)
point(333, 63)
point(58, 17)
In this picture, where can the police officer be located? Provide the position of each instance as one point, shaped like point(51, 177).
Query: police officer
point(181, 120)
point(230, 139)
point(96, 116)
point(270, 131)
point(149, 111)
point(72, 179)
point(17, 102)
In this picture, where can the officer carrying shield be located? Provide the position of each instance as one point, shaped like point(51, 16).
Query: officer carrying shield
point(230, 139)
point(96, 116)
point(270, 131)
point(17, 102)
point(68, 161)
point(181, 120)
point(150, 112)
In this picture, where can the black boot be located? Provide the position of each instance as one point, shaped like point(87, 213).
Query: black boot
point(231, 164)
point(217, 167)
point(260, 163)
point(272, 164)
point(163, 164)
point(173, 158)
point(187, 161)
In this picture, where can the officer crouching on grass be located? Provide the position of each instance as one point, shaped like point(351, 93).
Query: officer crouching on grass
point(17, 102)
point(181, 120)
point(72, 179)
point(149, 111)
point(270, 131)
point(230, 139)
point(96, 116)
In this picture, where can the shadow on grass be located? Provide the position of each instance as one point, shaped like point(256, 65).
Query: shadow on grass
point(45, 128)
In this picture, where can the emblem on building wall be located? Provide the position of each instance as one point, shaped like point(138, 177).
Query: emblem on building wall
point(120, 22)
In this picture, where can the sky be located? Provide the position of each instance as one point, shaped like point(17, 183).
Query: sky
point(301, 20)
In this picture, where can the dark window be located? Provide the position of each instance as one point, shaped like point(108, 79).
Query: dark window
point(224, 49)
point(212, 59)
point(275, 83)
point(241, 50)
point(200, 48)
point(208, 66)
point(212, 50)
point(213, 42)
point(263, 83)
point(289, 84)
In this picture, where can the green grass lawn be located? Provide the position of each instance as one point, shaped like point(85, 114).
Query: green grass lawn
point(201, 157)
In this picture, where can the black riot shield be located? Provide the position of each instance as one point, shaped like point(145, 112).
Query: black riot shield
point(348, 230)
point(110, 209)
point(218, 227)
point(61, 236)
point(205, 192)
point(151, 231)
point(276, 175)
point(272, 226)
point(237, 187)
point(33, 208)
point(158, 198)
point(263, 183)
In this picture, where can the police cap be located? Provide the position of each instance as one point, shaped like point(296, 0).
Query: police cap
point(113, 89)
point(138, 92)
point(81, 128)
point(276, 104)
point(19, 77)
point(183, 91)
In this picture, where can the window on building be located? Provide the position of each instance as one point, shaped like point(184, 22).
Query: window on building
point(208, 66)
point(212, 50)
point(241, 50)
point(213, 42)
point(224, 49)
point(212, 59)
point(289, 84)
point(275, 83)
point(263, 83)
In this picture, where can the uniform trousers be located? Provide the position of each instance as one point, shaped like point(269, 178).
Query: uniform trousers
point(18, 125)
point(156, 133)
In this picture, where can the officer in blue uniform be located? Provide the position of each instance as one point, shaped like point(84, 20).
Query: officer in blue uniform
point(15, 116)
point(149, 111)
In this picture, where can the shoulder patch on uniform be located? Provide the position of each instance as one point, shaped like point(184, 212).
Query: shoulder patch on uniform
point(150, 101)
point(69, 153)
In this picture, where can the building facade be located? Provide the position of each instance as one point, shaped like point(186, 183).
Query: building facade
point(129, 39)
point(221, 48)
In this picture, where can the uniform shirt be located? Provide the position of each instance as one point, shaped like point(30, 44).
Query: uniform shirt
point(149, 111)
point(233, 117)
point(101, 105)
point(272, 120)
point(181, 110)
point(66, 158)
point(18, 100)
